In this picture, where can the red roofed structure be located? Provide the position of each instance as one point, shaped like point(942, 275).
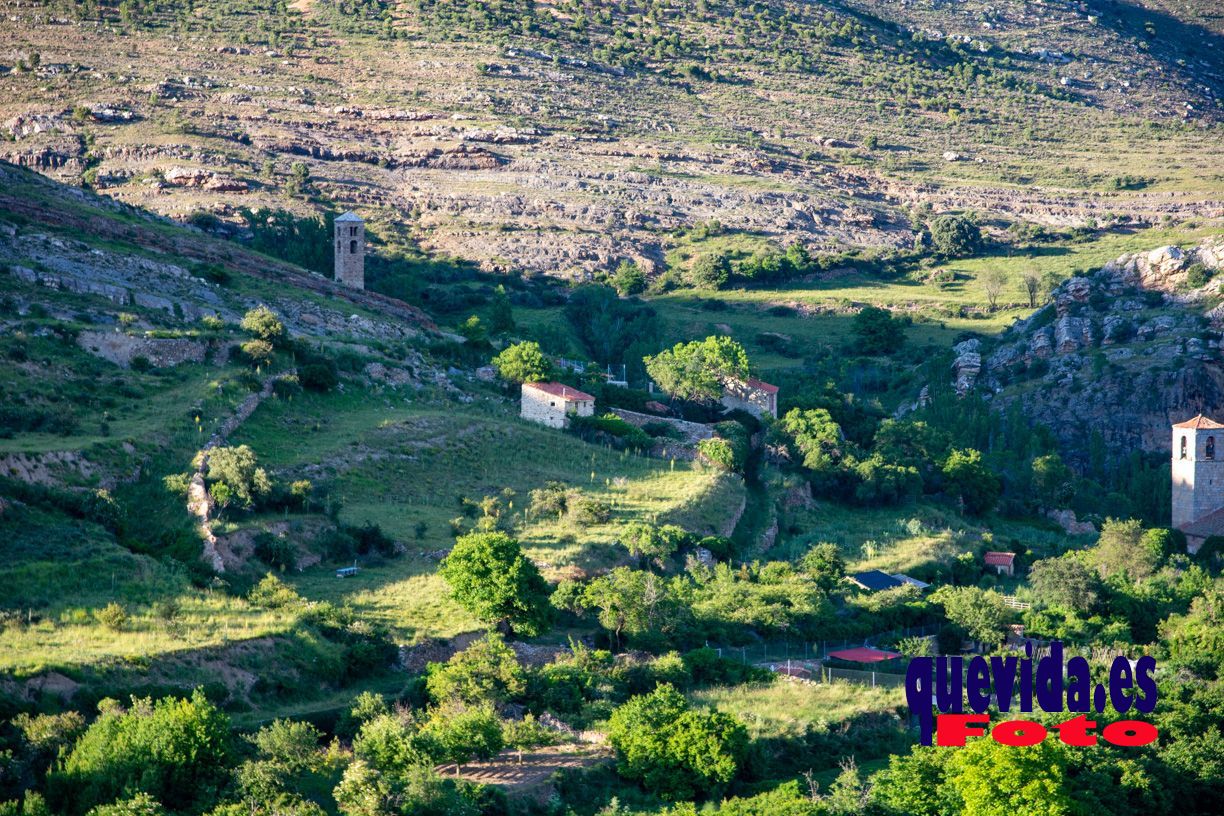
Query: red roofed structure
point(553, 403)
point(757, 397)
point(863, 654)
point(1003, 562)
point(1199, 423)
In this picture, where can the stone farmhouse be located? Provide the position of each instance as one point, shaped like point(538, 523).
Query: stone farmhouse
point(754, 396)
point(1198, 480)
point(553, 403)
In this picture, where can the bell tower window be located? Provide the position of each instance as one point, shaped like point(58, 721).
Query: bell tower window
point(1209, 451)
point(1183, 447)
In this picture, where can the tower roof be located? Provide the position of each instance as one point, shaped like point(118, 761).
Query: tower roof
point(1199, 423)
point(349, 216)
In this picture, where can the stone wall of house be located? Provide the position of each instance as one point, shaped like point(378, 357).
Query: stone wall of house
point(544, 408)
point(739, 396)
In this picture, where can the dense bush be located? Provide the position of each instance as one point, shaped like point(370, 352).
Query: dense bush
point(177, 751)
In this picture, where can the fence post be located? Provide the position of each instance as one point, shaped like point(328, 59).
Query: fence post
point(873, 679)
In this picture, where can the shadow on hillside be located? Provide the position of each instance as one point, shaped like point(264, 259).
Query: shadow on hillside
point(1169, 38)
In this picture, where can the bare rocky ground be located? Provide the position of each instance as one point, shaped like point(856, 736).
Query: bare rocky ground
point(520, 158)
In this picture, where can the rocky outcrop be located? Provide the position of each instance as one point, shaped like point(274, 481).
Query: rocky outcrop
point(1122, 352)
point(122, 349)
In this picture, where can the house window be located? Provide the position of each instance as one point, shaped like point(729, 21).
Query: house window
point(353, 247)
point(1209, 453)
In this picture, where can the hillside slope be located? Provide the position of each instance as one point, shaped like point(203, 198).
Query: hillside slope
point(563, 138)
point(1117, 356)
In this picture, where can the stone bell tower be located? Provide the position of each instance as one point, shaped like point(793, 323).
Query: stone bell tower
point(1198, 470)
point(350, 250)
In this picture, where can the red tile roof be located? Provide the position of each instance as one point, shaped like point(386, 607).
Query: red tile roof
point(773, 389)
point(1199, 423)
point(1000, 559)
point(1209, 525)
point(863, 654)
point(565, 392)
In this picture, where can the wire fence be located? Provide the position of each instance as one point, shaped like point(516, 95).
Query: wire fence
point(773, 652)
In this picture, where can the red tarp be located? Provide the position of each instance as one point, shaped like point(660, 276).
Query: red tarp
point(863, 654)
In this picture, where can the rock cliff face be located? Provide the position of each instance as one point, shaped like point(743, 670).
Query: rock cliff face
point(1124, 352)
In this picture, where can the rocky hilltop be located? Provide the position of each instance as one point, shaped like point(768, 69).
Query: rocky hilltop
point(526, 137)
point(1124, 351)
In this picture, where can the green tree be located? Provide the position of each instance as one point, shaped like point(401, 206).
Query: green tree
point(631, 604)
point(912, 784)
point(523, 362)
point(697, 370)
point(387, 743)
point(417, 791)
point(501, 313)
point(651, 543)
point(956, 236)
point(1120, 550)
point(967, 477)
point(672, 750)
point(474, 331)
point(1052, 480)
point(1065, 582)
point(485, 672)
point(824, 565)
point(139, 805)
point(263, 324)
point(876, 331)
point(491, 578)
point(989, 779)
point(176, 750)
point(629, 279)
point(238, 470)
point(980, 612)
point(816, 436)
point(709, 271)
point(461, 735)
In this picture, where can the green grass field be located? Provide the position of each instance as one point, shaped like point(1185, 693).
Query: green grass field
point(787, 709)
point(403, 464)
point(818, 313)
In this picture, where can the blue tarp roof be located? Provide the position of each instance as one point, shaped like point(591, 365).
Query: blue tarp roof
point(875, 580)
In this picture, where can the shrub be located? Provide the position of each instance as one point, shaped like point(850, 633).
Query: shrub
point(718, 452)
point(113, 616)
point(672, 750)
point(275, 551)
point(273, 593)
point(956, 236)
point(612, 429)
point(320, 374)
point(710, 271)
point(177, 751)
point(587, 511)
point(263, 324)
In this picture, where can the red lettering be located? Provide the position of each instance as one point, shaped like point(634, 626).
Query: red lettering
point(1075, 732)
point(951, 729)
point(1018, 733)
point(1130, 732)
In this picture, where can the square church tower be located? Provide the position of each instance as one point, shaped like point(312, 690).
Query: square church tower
point(350, 250)
point(1197, 470)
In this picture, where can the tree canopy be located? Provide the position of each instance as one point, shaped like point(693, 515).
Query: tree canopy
point(491, 578)
point(697, 370)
